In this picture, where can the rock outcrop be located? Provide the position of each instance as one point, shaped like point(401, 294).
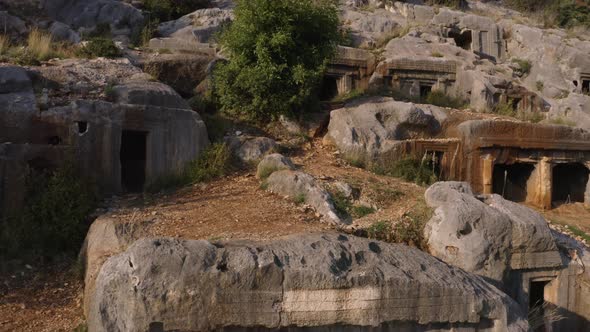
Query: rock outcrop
point(487, 235)
point(315, 281)
point(303, 188)
point(250, 148)
point(370, 127)
point(272, 163)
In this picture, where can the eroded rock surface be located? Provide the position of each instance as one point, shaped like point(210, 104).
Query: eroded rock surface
point(314, 280)
point(303, 188)
point(372, 126)
point(486, 235)
point(272, 163)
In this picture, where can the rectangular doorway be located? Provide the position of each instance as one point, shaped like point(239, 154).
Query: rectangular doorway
point(537, 306)
point(133, 160)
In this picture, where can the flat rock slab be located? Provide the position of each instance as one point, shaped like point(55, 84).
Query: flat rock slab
point(312, 280)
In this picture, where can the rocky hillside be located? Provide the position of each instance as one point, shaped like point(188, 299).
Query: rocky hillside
point(200, 165)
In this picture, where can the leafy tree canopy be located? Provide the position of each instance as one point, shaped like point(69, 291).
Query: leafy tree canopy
point(277, 52)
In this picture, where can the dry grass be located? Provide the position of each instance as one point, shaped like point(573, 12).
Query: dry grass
point(4, 44)
point(39, 44)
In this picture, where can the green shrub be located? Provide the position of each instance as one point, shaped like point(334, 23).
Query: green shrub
point(410, 229)
point(99, 47)
point(361, 211)
point(299, 198)
point(342, 204)
point(439, 98)
point(524, 66)
point(212, 163)
point(278, 51)
point(505, 109)
point(540, 85)
point(54, 219)
point(409, 169)
point(380, 230)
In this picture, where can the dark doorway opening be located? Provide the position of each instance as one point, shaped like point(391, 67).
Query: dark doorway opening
point(82, 127)
point(510, 181)
point(514, 102)
point(133, 160)
point(537, 305)
point(329, 88)
point(433, 161)
point(462, 39)
point(425, 90)
point(569, 183)
point(585, 86)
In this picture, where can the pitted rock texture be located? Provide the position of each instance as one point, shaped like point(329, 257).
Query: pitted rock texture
point(486, 235)
point(314, 280)
point(249, 148)
point(303, 188)
point(372, 126)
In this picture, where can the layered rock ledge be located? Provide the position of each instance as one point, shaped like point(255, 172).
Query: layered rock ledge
point(324, 281)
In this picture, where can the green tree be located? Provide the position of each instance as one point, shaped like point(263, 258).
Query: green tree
point(277, 52)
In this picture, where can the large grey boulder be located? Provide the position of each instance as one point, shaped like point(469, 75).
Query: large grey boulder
point(272, 163)
point(373, 126)
point(85, 15)
point(12, 25)
point(320, 281)
point(486, 235)
point(62, 32)
point(250, 148)
point(303, 188)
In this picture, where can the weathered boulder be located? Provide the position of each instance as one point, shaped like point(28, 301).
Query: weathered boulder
point(12, 25)
point(372, 126)
point(303, 188)
point(486, 235)
point(62, 32)
point(105, 238)
point(249, 148)
point(272, 163)
point(86, 15)
point(320, 281)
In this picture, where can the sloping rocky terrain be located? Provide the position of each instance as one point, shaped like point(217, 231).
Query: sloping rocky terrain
point(394, 207)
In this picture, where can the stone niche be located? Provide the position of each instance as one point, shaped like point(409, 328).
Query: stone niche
point(417, 78)
point(349, 70)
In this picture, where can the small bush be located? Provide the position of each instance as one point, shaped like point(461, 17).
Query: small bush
point(539, 85)
point(266, 171)
point(439, 98)
point(212, 163)
point(380, 230)
point(410, 229)
point(524, 66)
point(299, 198)
point(361, 211)
point(354, 94)
point(54, 220)
point(562, 122)
point(342, 204)
point(99, 47)
point(437, 55)
point(505, 109)
point(411, 170)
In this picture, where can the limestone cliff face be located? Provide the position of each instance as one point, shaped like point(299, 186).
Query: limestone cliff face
point(323, 281)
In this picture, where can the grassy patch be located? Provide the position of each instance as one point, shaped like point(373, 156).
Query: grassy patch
point(299, 198)
point(410, 229)
point(505, 109)
point(380, 230)
point(212, 163)
point(562, 121)
point(441, 99)
point(361, 211)
point(408, 169)
point(99, 47)
point(524, 66)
